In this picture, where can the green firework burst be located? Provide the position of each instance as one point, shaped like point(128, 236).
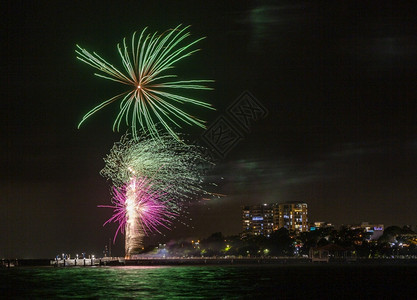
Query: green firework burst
point(173, 166)
point(153, 94)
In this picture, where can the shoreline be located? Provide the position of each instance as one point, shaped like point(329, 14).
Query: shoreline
point(116, 261)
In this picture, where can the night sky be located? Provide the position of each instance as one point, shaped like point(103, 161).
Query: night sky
point(338, 81)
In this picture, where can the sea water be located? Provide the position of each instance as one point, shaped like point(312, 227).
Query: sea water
point(214, 282)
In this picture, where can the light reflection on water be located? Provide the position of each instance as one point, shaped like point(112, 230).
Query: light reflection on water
point(197, 282)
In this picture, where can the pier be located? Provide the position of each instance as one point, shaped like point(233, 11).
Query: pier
point(85, 262)
point(188, 261)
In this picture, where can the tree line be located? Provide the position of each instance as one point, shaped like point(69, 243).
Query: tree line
point(395, 241)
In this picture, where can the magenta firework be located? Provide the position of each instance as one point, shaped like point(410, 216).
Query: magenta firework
point(140, 209)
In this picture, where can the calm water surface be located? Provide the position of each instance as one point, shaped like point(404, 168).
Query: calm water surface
point(214, 282)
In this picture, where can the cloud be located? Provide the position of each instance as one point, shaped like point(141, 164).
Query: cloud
point(345, 164)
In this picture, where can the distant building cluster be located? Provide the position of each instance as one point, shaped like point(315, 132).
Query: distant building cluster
point(265, 218)
point(372, 232)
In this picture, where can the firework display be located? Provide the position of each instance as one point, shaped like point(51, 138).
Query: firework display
point(155, 176)
point(176, 167)
point(153, 93)
point(153, 180)
point(139, 209)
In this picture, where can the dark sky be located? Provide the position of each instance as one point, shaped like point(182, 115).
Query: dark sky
point(338, 82)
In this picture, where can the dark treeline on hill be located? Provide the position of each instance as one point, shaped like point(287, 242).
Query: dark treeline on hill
point(395, 241)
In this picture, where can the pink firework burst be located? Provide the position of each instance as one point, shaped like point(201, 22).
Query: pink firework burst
point(138, 203)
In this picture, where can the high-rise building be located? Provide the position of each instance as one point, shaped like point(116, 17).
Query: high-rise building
point(292, 215)
point(266, 218)
point(258, 219)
